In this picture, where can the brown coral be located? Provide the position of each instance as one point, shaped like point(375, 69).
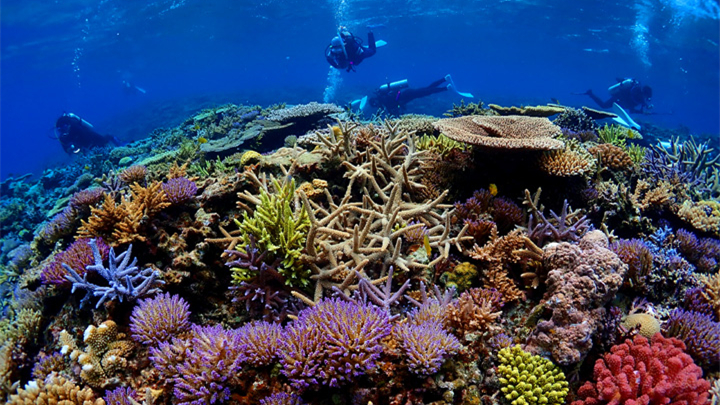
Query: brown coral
point(565, 163)
point(703, 215)
point(512, 132)
point(133, 174)
point(611, 156)
point(648, 197)
point(494, 256)
point(474, 311)
point(54, 389)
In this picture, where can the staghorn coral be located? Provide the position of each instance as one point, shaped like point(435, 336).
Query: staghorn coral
point(642, 372)
point(156, 320)
point(611, 156)
point(333, 342)
point(104, 358)
point(54, 389)
point(125, 223)
point(581, 279)
point(280, 228)
point(530, 380)
point(123, 277)
point(570, 225)
point(282, 398)
point(512, 132)
point(78, 256)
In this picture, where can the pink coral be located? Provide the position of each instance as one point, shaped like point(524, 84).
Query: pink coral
point(640, 373)
point(581, 279)
point(78, 256)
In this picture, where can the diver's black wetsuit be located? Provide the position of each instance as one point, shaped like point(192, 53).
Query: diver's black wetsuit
point(394, 100)
point(628, 98)
point(356, 52)
point(76, 135)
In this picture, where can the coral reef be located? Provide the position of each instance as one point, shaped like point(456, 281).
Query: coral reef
point(528, 379)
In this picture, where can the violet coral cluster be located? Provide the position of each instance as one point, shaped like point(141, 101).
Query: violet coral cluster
point(333, 342)
point(699, 332)
point(78, 255)
point(124, 279)
point(179, 190)
point(157, 319)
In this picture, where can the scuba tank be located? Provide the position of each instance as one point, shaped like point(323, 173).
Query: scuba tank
point(624, 84)
point(400, 84)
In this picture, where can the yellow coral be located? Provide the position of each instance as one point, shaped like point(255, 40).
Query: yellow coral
point(530, 380)
point(249, 156)
point(462, 276)
point(649, 325)
point(54, 389)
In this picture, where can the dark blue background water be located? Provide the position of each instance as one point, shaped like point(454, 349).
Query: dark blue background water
point(73, 56)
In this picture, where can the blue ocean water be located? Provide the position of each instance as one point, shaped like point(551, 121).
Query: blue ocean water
point(73, 55)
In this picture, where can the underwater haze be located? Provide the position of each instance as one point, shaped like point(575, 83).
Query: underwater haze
point(73, 55)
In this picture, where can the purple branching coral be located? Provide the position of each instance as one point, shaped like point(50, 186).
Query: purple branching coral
point(262, 340)
point(506, 214)
point(180, 190)
point(78, 255)
point(333, 342)
point(124, 279)
point(637, 255)
point(120, 396)
point(213, 359)
point(156, 320)
point(695, 301)
point(563, 228)
point(282, 398)
point(425, 344)
point(704, 253)
point(265, 294)
point(86, 198)
point(699, 332)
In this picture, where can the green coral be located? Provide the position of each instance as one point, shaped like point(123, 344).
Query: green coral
point(530, 380)
point(442, 145)
point(617, 135)
point(636, 153)
point(280, 230)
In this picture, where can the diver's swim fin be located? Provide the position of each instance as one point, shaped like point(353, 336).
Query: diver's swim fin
point(623, 118)
point(452, 87)
point(359, 104)
point(380, 43)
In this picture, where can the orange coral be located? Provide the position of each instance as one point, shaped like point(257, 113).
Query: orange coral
point(495, 255)
point(646, 197)
point(123, 223)
point(511, 132)
point(474, 311)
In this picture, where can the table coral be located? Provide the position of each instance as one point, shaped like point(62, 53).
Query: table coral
point(642, 372)
point(511, 132)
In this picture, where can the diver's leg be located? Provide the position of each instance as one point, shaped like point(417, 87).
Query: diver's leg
point(407, 95)
point(598, 101)
point(437, 83)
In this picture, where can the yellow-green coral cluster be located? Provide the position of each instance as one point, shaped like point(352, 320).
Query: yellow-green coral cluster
point(462, 276)
point(530, 380)
point(280, 228)
point(441, 144)
point(617, 135)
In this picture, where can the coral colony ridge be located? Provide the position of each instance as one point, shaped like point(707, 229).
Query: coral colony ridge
point(295, 255)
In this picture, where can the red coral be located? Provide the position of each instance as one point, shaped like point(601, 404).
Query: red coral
point(639, 373)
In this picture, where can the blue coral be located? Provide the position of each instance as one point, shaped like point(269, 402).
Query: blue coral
point(124, 278)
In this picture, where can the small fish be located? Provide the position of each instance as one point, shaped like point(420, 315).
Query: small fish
point(426, 243)
point(202, 140)
point(493, 189)
point(87, 167)
point(196, 127)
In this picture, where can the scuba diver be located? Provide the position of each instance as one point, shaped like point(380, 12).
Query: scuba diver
point(628, 94)
point(347, 51)
point(130, 88)
point(392, 97)
point(75, 134)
